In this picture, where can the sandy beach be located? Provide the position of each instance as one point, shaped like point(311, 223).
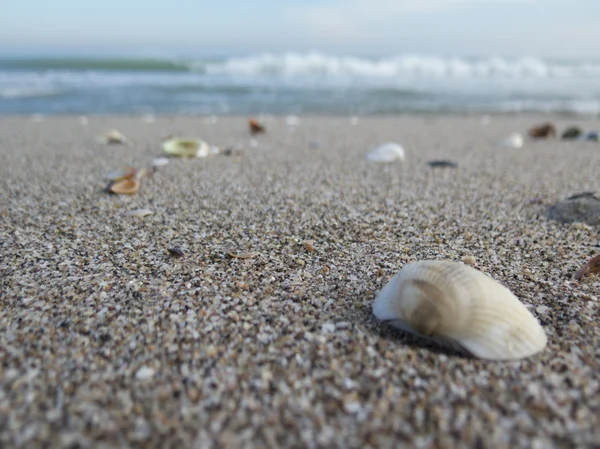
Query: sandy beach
point(106, 340)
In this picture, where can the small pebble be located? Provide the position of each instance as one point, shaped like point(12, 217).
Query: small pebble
point(469, 260)
point(144, 373)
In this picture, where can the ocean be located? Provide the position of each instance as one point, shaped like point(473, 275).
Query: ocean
point(308, 83)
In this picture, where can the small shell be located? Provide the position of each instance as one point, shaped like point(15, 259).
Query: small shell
point(140, 213)
point(388, 152)
point(454, 303)
point(591, 267)
point(443, 163)
point(160, 161)
point(542, 131)
point(513, 141)
point(247, 255)
point(113, 137)
point(176, 252)
point(592, 135)
point(186, 147)
point(571, 133)
point(309, 245)
point(255, 127)
point(124, 187)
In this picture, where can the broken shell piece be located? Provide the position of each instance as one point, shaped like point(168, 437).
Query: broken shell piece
point(144, 172)
point(387, 152)
point(442, 163)
point(591, 267)
point(124, 187)
point(176, 252)
point(455, 304)
point(160, 161)
point(140, 213)
point(255, 127)
point(214, 150)
point(232, 152)
point(309, 245)
point(246, 255)
point(571, 133)
point(513, 141)
point(543, 131)
point(113, 137)
point(592, 135)
point(117, 175)
point(186, 147)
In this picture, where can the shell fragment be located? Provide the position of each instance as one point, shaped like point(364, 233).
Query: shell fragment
point(140, 213)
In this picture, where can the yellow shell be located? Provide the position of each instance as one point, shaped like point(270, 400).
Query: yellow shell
point(186, 147)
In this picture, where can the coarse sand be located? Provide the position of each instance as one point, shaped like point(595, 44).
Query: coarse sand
point(107, 339)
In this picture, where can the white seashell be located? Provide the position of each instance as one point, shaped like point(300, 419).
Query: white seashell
point(214, 150)
point(140, 213)
point(113, 137)
point(354, 120)
point(292, 120)
point(186, 147)
point(160, 161)
point(148, 118)
point(388, 152)
point(83, 120)
point(457, 304)
point(513, 141)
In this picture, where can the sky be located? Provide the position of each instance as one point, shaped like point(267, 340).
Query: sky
point(555, 28)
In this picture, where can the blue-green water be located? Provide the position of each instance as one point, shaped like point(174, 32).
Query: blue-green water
point(297, 83)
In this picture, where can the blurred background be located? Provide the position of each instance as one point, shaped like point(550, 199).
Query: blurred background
point(296, 57)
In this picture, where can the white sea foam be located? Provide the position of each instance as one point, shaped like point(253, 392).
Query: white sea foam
point(292, 64)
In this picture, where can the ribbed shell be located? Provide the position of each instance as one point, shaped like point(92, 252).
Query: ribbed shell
point(451, 301)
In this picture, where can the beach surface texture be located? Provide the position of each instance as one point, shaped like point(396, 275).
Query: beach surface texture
point(259, 331)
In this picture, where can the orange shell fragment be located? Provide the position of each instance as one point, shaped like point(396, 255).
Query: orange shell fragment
point(255, 127)
point(125, 186)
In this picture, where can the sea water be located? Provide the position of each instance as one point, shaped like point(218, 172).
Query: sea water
point(297, 84)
